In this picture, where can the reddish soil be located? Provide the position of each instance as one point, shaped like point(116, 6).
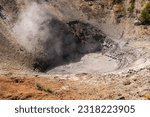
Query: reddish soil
point(28, 88)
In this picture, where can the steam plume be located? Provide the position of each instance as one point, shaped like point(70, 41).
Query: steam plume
point(31, 28)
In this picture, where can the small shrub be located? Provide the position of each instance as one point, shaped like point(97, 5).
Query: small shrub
point(9, 74)
point(142, 3)
point(145, 15)
point(39, 87)
point(49, 90)
point(42, 88)
point(132, 6)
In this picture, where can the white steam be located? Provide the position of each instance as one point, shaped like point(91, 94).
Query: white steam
point(31, 28)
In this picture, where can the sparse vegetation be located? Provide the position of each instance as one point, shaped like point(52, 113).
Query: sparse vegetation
point(49, 90)
point(39, 86)
point(142, 2)
point(145, 14)
point(42, 88)
point(132, 6)
point(9, 74)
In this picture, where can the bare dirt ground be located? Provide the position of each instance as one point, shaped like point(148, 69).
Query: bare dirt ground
point(131, 85)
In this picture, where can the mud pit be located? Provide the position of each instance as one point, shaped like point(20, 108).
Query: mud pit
point(90, 63)
point(69, 47)
point(48, 44)
point(87, 50)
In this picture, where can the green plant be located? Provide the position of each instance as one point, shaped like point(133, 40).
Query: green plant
point(145, 14)
point(9, 74)
point(42, 88)
point(132, 6)
point(49, 90)
point(39, 87)
point(142, 3)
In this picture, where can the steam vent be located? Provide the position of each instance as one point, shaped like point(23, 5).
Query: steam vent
point(103, 44)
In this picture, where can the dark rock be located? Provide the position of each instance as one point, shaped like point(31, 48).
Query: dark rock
point(121, 98)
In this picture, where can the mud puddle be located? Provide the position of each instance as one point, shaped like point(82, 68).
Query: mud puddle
point(90, 63)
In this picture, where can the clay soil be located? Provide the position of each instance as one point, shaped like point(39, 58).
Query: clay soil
point(80, 87)
point(27, 88)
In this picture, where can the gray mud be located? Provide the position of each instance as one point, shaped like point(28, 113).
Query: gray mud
point(90, 63)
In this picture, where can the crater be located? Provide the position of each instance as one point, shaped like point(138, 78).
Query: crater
point(49, 44)
point(81, 47)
